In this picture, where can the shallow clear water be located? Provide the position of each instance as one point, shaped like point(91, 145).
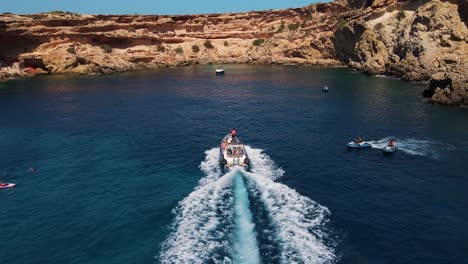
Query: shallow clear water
point(127, 169)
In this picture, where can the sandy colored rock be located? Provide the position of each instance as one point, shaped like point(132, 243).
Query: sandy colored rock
point(411, 40)
point(414, 40)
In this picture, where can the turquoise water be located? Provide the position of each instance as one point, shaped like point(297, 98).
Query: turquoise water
point(127, 169)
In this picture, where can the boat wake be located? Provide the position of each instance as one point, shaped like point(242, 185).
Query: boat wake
point(419, 147)
point(221, 221)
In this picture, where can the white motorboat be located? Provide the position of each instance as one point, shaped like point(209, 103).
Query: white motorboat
point(233, 152)
point(219, 71)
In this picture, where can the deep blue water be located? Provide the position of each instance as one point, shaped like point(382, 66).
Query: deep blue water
point(115, 155)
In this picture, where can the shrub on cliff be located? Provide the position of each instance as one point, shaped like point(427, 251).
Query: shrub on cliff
point(195, 48)
point(341, 23)
point(379, 26)
point(226, 44)
point(179, 50)
point(106, 48)
point(281, 27)
point(208, 45)
point(401, 15)
point(293, 27)
point(258, 42)
point(71, 50)
point(161, 48)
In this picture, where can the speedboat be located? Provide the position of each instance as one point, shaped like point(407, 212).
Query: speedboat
point(219, 71)
point(354, 144)
point(233, 152)
point(7, 185)
point(325, 89)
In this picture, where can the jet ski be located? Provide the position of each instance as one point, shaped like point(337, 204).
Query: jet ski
point(354, 144)
point(389, 149)
point(7, 185)
point(233, 152)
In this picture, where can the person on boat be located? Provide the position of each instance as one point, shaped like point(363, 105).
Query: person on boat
point(223, 146)
point(233, 132)
point(391, 143)
point(359, 140)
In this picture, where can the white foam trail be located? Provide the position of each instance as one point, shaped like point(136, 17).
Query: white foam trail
point(203, 219)
point(299, 221)
point(414, 146)
point(262, 164)
point(203, 224)
point(210, 166)
point(245, 246)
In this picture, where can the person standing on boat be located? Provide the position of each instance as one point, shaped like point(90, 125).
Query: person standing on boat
point(232, 137)
point(233, 132)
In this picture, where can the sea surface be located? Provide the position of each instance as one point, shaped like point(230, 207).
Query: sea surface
point(125, 169)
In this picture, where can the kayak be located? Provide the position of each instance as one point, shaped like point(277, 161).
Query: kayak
point(354, 144)
point(7, 185)
point(388, 149)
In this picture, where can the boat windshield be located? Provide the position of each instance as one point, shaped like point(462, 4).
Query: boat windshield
point(235, 151)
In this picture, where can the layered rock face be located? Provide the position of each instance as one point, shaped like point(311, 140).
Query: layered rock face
point(414, 40)
point(424, 40)
point(96, 43)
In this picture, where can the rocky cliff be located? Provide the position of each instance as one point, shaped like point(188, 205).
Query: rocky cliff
point(66, 42)
point(415, 40)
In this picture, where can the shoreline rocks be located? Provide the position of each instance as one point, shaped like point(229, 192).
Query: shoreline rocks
point(415, 41)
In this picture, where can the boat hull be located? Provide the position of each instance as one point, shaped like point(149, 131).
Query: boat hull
point(354, 144)
point(388, 149)
point(7, 185)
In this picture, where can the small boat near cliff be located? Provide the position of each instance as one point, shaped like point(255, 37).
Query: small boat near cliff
point(219, 71)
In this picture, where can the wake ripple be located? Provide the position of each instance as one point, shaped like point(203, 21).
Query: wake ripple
point(245, 242)
point(210, 166)
point(299, 221)
point(214, 223)
point(262, 164)
point(412, 146)
point(202, 225)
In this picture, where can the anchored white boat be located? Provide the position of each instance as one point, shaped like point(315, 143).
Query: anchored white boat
point(233, 152)
point(219, 71)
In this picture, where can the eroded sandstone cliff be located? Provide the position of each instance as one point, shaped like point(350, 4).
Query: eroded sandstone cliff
point(414, 40)
point(98, 43)
point(424, 40)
